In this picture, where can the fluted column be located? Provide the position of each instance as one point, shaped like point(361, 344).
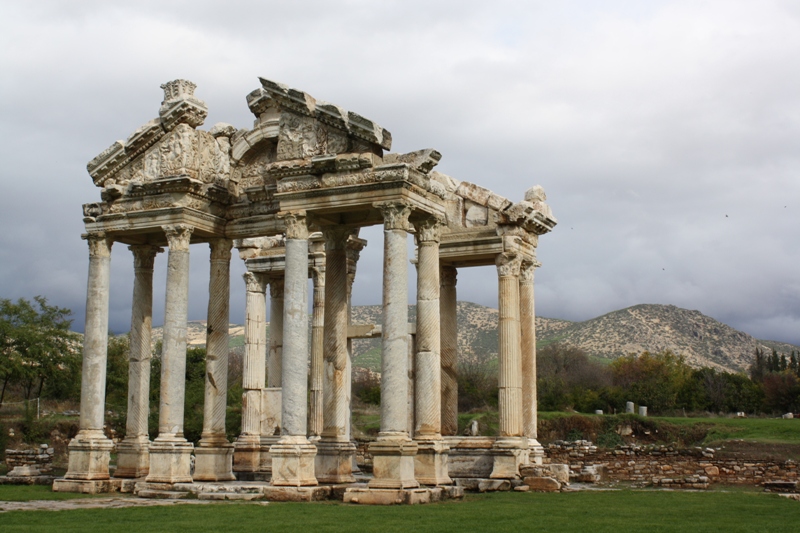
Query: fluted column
point(170, 453)
point(89, 451)
point(133, 456)
point(214, 453)
point(528, 352)
point(293, 455)
point(315, 414)
point(393, 452)
point(511, 447)
point(335, 451)
point(248, 445)
point(449, 349)
point(431, 459)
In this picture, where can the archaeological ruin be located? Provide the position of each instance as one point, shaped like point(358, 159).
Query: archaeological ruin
point(290, 194)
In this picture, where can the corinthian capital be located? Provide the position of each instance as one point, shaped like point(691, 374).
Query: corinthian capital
point(99, 244)
point(296, 224)
point(220, 249)
point(144, 255)
point(508, 265)
point(255, 282)
point(428, 230)
point(178, 236)
point(395, 215)
point(448, 276)
point(337, 238)
point(276, 287)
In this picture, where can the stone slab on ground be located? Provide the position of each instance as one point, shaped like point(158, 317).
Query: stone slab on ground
point(542, 484)
point(35, 480)
point(296, 494)
point(163, 494)
point(226, 496)
point(367, 496)
point(94, 503)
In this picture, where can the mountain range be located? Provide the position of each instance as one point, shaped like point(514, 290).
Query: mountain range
point(702, 340)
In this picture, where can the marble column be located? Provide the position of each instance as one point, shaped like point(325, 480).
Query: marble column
point(170, 453)
point(90, 450)
point(527, 316)
point(335, 452)
point(430, 465)
point(510, 449)
point(315, 416)
point(293, 455)
point(275, 359)
point(133, 454)
point(214, 454)
point(393, 452)
point(247, 456)
point(449, 350)
point(271, 402)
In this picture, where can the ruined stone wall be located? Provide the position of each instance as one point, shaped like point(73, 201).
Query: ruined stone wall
point(40, 459)
point(669, 466)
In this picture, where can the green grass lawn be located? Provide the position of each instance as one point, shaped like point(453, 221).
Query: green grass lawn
point(775, 430)
point(24, 493)
point(584, 511)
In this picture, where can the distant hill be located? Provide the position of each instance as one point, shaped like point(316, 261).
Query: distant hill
point(647, 327)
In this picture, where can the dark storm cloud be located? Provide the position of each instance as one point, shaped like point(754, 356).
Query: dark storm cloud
point(664, 133)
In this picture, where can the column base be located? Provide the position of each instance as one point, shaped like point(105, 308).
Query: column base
point(265, 462)
point(393, 463)
point(133, 457)
point(170, 461)
point(430, 463)
point(535, 452)
point(213, 462)
point(247, 453)
point(509, 453)
point(82, 486)
point(293, 462)
point(89, 455)
point(334, 461)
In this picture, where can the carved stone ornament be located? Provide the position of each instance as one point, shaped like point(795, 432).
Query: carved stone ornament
point(144, 255)
point(318, 274)
point(429, 230)
point(527, 271)
point(448, 276)
point(178, 237)
point(337, 238)
point(508, 265)
point(255, 282)
point(276, 287)
point(395, 215)
point(99, 244)
point(181, 106)
point(296, 224)
point(220, 249)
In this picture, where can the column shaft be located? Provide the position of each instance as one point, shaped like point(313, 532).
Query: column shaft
point(216, 387)
point(428, 389)
point(449, 350)
point(133, 458)
point(528, 348)
point(294, 382)
point(510, 377)
point(315, 416)
point(275, 359)
point(95, 339)
point(254, 368)
point(176, 311)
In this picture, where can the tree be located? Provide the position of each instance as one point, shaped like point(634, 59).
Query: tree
point(37, 346)
point(654, 380)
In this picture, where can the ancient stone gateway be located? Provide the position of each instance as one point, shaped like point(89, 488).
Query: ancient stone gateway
point(291, 194)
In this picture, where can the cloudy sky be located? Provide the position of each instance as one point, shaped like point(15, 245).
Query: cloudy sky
point(666, 134)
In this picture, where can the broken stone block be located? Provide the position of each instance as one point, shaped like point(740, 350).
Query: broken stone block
point(542, 484)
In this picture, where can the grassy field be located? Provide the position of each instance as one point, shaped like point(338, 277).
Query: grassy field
point(774, 430)
point(652, 511)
